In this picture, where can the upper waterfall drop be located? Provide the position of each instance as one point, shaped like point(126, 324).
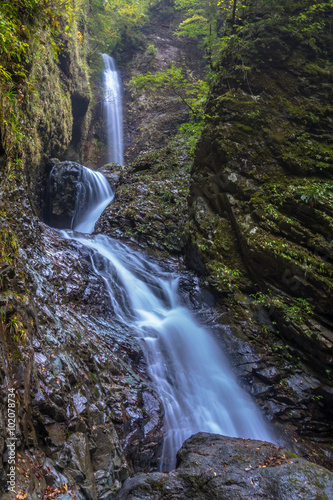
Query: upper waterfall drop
point(114, 112)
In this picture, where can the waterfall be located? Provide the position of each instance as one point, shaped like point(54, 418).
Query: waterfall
point(114, 113)
point(185, 363)
point(93, 195)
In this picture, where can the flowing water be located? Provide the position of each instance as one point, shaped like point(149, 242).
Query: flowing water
point(113, 109)
point(93, 195)
point(185, 363)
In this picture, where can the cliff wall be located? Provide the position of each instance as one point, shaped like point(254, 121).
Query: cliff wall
point(261, 205)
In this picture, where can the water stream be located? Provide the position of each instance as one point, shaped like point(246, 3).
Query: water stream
point(185, 363)
point(113, 109)
point(93, 195)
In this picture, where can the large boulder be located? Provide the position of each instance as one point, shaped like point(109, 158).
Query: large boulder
point(74, 191)
point(62, 198)
point(214, 467)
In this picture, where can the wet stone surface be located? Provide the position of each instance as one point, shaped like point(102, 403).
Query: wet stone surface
point(150, 205)
point(212, 466)
point(88, 415)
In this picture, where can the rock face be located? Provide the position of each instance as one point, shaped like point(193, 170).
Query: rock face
point(150, 206)
point(62, 194)
point(151, 121)
point(211, 466)
point(261, 210)
point(86, 416)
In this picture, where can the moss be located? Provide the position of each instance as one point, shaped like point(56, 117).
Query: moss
point(151, 201)
point(36, 117)
point(157, 485)
point(8, 245)
point(315, 69)
point(297, 310)
point(246, 128)
point(222, 277)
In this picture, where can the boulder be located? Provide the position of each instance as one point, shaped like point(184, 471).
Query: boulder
point(214, 467)
point(61, 204)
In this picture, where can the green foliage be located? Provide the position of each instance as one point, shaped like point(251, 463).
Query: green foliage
point(223, 278)
point(20, 22)
point(189, 90)
point(262, 23)
point(116, 22)
point(209, 22)
point(12, 327)
point(297, 311)
point(193, 27)
point(236, 26)
point(151, 50)
point(8, 246)
point(188, 136)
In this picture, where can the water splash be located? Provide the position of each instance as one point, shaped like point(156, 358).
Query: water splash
point(185, 363)
point(114, 113)
point(94, 194)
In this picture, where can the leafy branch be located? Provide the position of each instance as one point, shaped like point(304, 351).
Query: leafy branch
point(190, 91)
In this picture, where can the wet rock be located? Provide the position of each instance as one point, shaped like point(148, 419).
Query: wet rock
point(211, 466)
point(57, 434)
point(256, 230)
point(52, 476)
point(269, 374)
point(112, 172)
point(68, 497)
point(84, 367)
point(261, 389)
point(80, 464)
point(63, 181)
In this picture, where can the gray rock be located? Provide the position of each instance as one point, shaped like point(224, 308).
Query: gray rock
point(212, 467)
point(80, 464)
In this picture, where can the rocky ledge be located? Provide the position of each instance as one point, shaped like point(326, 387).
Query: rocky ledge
point(212, 466)
point(150, 205)
point(87, 417)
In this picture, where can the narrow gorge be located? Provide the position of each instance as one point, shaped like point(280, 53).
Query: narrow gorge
point(166, 271)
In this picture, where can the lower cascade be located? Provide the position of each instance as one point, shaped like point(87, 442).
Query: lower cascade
point(185, 363)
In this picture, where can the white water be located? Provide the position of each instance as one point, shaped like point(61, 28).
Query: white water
point(186, 365)
point(113, 109)
point(94, 194)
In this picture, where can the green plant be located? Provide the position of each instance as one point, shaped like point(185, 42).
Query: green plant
point(316, 398)
point(188, 136)
point(192, 92)
point(115, 21)
point(295, 310)
point(151, 50)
